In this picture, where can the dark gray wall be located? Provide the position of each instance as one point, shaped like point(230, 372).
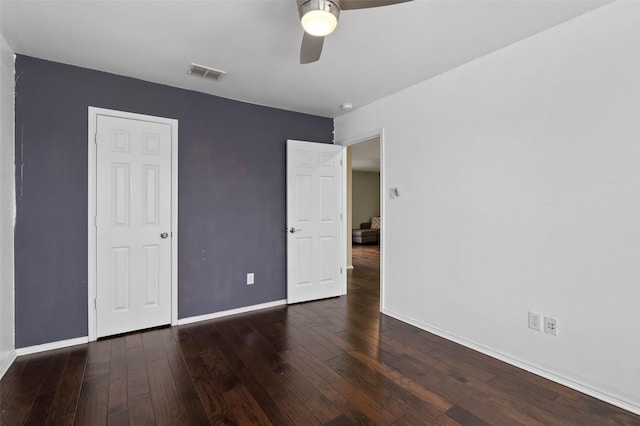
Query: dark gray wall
point(232, 207)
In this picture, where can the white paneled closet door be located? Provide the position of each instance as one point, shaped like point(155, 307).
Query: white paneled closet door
point(133, 221)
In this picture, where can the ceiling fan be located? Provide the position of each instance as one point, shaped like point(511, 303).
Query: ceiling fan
point(320, 17)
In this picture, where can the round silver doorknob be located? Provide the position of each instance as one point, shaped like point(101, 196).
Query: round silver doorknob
point(164, 235)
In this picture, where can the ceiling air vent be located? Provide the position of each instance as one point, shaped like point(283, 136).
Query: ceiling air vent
point(206, 72)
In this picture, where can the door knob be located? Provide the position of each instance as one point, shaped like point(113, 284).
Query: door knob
point(164, 235)
point(293, 230)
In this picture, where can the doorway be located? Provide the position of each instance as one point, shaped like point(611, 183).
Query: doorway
point(132, 221)
point(365, 204)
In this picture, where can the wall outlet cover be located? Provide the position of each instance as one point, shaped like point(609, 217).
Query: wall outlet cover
point(551, 326)
point(250, 278)
point(535, 321)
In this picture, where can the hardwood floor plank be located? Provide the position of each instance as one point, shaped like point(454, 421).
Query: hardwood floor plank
point(153, 346)
point(167, 405)
point(222, 373)
point(118, 418)
point(388, 370)
point(318, 378)
point(458, 365)
point(195, 413)
point(209, 394)
point(365, 402)
point(137, 378)
point(316, 402)
point(458, 390)
point(242, 409)
point(307, 362)
point(283, 395)
point(17, 404)
point(184, 384)
point(11, 376)
point(398, 401)
point(65, 402)
point(53, 375)
point(264, 398)
point(40, 409)
point(94, 400)
point(464, 417)
point(98, 357)
point(141, 411)
point(118, 395)
point(133, 340)
point(118, 362)
point(66, 420)
point(601, 414)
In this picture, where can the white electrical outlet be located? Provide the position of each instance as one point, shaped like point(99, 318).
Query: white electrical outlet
point(534, 321)
point(551, 326)
point(250, 278)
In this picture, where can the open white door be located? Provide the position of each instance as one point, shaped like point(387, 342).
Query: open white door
point(314, 221)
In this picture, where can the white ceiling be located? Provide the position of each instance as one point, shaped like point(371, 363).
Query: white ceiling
point(373, 52)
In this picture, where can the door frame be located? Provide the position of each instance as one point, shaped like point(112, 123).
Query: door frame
point(92, 254)
point(379, 133)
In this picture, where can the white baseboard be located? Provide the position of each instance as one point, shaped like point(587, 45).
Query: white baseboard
point(565, 381)
point(7, 363)
point(221, 314)
point(350, 267)
point(81, 340)
point(51, 346)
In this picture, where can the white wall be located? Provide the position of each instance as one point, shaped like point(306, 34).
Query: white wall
point(7, 205)
point(349, 194)
point(523, 170)
point(365, 196)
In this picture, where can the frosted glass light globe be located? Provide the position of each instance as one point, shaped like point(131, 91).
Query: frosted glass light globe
point(319, 22)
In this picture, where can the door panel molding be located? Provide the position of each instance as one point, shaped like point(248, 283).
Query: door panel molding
point(93, 113)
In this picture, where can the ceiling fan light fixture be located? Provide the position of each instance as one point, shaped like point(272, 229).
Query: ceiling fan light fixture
point(319, 23)
point(319, 17)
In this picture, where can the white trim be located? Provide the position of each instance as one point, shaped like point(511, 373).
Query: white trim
point(565, 381)
point(5, 367)
point(350, 266)
point(345, 221)
point(379, 133)
point(91, 185)
point(51, 346)
point(236, 311)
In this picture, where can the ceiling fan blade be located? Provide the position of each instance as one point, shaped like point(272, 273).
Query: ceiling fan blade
point(311, 48)
point(364, 4)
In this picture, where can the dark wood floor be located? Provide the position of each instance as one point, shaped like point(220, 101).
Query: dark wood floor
point(333, 362)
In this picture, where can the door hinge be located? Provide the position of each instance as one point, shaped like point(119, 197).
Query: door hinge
point(95, 221)
point(95, 303)
point(341, 161)
point(95, 138)
point(340, 270)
